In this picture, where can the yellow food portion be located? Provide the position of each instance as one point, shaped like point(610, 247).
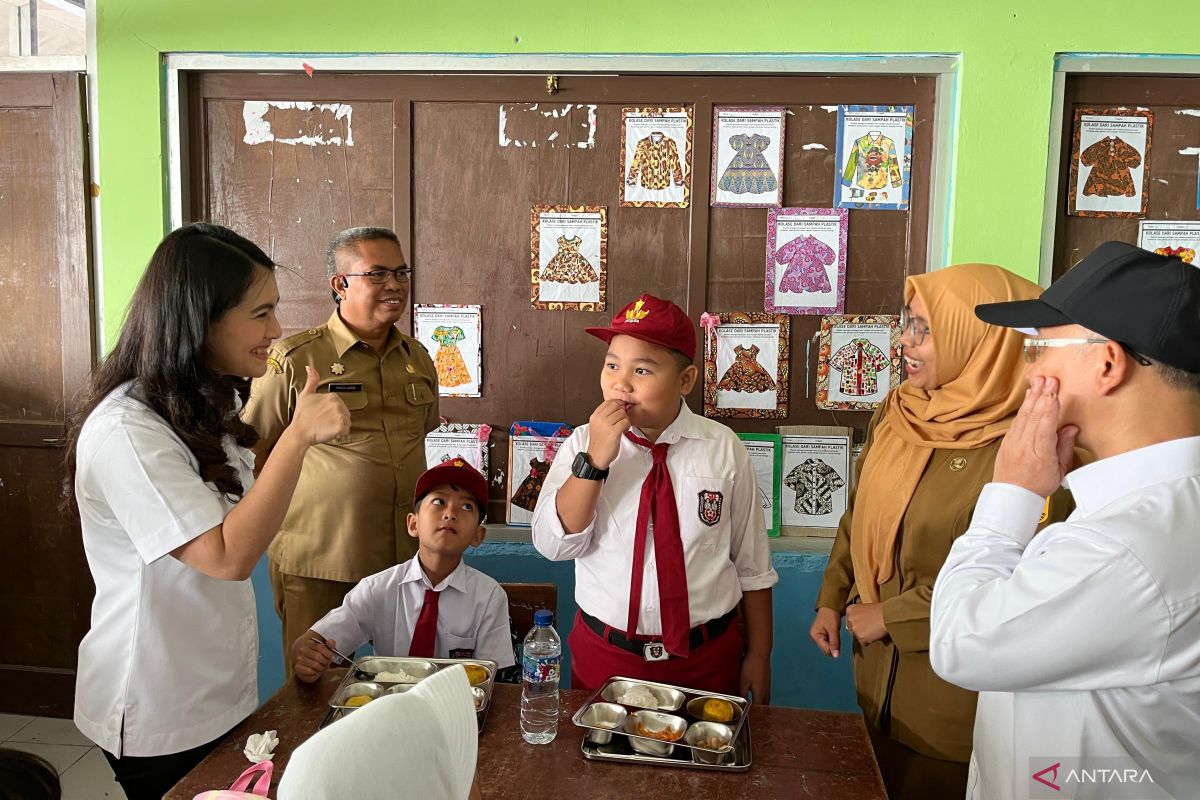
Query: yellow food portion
point(475, 674)
point(718, 710)
point(358, 700)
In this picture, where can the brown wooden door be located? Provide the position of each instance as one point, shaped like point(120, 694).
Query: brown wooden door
point(45, 354)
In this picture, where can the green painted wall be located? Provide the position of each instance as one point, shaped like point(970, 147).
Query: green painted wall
point(1003, 112)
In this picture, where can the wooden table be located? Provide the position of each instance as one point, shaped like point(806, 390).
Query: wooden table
point(796, 754)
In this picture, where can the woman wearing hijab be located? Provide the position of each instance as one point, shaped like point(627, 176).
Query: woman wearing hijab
point(929, 451)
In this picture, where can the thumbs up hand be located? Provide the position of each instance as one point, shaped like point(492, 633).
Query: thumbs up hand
point(319, 418)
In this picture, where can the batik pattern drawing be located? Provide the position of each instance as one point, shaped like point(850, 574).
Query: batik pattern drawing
point(451, 368)
point(806, 259)
point(748, 172)
point(814, 483)
point(859, 361)
point(526, 496)
point(745, 374)
point(1187, 254)
point(1111, 159)
point(655, 163)
point(568, 264)
point(872, 162)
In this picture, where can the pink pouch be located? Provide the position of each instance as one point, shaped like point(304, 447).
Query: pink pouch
point(259, 774)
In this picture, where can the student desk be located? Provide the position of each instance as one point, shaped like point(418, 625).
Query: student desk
point(797, 754)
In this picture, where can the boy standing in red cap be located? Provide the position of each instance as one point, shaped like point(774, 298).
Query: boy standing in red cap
point(432, 606)
point(659, 509)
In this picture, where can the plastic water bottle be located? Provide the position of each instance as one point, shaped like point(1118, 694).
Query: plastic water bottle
point(541, 657)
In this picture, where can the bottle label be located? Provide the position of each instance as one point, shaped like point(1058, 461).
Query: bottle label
point(540, 669)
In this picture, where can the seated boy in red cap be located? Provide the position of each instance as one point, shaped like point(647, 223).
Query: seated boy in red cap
point(659, 509)
point(432, 606)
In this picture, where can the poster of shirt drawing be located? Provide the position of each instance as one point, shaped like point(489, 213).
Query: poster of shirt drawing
point(858, 361)
point(656, 157)
point(453, 335)
point(453, 440)
point(806, 260)
point(816, 480)
point(874, 157)
point(1110, 153)
point(569, 257)
point(747, 165)
point(766, 452)
point(1181, 239)
point(746, 364)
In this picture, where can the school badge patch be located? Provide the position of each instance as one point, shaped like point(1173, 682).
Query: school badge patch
point(710, 507)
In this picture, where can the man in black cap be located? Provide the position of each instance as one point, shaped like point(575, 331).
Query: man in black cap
point(1084, 642)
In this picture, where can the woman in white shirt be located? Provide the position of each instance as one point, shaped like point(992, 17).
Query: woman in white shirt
point(171, 524)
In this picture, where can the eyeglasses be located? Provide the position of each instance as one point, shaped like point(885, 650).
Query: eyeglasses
point(908, 324)
point(380, 275)
point(1035, 347)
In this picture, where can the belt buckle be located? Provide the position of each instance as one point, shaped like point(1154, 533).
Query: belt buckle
point(655, 651)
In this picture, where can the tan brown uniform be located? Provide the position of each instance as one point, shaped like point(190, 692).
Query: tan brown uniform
point(347, 516)
point(901, 696)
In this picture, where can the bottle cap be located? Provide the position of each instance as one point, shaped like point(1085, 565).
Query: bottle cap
point(543, 617)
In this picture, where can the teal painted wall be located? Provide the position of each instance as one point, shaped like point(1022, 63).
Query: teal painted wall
point(801, 676)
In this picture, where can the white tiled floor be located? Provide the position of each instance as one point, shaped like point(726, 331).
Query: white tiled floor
point(84, 773)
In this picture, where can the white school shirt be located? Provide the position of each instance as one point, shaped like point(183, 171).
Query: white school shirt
point(383, 608)
point(722, 560)
point(419, 745)
point(1084, 641)
point(170, 662)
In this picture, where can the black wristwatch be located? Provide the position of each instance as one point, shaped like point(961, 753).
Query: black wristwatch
point(582, 467)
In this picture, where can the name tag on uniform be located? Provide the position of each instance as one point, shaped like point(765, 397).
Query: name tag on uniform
point(345, 387)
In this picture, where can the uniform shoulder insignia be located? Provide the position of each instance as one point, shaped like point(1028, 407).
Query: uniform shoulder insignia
point(290, 343)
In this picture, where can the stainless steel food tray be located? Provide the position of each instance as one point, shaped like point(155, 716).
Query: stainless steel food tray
point(619, 751)
point(419, 668)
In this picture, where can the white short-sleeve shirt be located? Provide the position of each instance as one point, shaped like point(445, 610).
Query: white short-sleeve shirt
point(171, 657)
point(383, 608)
point(725, 546)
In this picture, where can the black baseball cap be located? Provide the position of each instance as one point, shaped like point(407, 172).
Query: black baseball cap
point(1147, 302)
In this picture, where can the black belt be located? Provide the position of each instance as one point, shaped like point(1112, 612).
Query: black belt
point(696, 637)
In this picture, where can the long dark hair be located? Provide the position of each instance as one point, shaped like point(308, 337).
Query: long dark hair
point(197, 274)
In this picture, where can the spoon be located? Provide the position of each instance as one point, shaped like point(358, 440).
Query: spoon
point(349, 661)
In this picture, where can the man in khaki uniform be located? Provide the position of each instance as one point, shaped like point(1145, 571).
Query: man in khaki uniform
point(347, 517)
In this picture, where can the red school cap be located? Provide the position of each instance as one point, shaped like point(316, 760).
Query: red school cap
point(652, 320)
point(455, 472)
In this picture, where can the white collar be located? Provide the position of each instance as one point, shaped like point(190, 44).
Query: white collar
point(455, 580)
point(1100, 483)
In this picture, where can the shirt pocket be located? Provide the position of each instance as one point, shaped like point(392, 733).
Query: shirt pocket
point(459, 646)
point(419, 396)
point(704, 510)
point(355, 401)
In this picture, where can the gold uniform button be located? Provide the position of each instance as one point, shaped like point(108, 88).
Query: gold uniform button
point(957, 464)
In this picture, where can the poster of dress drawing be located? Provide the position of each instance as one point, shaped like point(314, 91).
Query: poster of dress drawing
point(569, 257)
point(453, 335)
point(747, 157)
point(532, 447)
point(806, 260)
point(465, 441)
point(746, 364)
point(1110, 156)
point(858, 361)
point(656, 157)
point(766, 456)
point(816, 482)
point(874, 157)
point(1171, 238)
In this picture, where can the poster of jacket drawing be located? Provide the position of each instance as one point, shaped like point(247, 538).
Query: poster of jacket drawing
point(656, 157)
point(816, 480)
point(1171, 238)
point(747, 157)
point(453, 335)
point(874, 157)
point(569, 257)
point(806, 260)
point(858, 361)
point(1110, 154)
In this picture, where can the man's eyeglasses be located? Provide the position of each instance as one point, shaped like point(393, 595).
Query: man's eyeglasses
point(1035, 347)
point(380, 275)
point(908, 324)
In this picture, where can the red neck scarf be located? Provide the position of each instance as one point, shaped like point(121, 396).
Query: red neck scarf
point(658, 502)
